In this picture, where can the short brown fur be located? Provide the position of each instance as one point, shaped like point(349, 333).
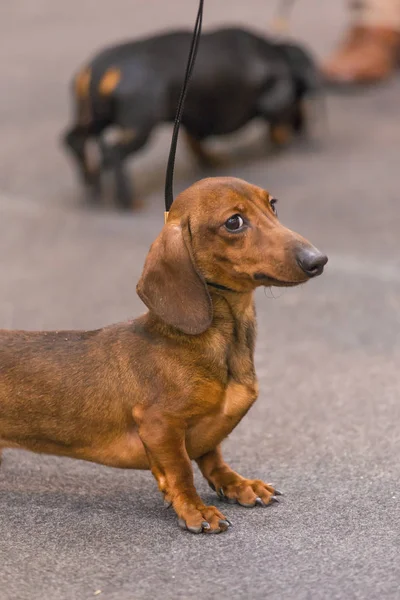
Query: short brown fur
point(168, 387)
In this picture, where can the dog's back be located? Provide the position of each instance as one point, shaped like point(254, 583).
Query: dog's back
point(52, 384)
point(232, 67)
point(135, 86)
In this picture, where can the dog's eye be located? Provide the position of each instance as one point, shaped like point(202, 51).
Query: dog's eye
point(234, 223)
point(273, 202)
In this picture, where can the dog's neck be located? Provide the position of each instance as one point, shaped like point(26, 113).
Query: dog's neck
point(229, 309)
point(238, 302)
point(234, 316)
point(229, 341)
point(235, 308)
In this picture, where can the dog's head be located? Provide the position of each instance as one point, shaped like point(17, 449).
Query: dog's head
point(221, 232)
point(303, 68)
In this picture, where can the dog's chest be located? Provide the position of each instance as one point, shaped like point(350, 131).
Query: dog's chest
point(224, 404)
point(241, 388)
point(225, 410)
point(238, 398)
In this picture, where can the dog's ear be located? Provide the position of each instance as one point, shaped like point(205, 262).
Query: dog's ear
point(277, 98)
point(172, 287)
point(303, 67)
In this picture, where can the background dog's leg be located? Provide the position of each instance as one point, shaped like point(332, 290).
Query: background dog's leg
point(114, 156)
point(300, 118)
point(205, 158)
point(296, 122)
point(231, 486)
point(76, 140)
point(171, 466)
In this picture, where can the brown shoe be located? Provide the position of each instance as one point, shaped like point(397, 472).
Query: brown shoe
point(367, 55)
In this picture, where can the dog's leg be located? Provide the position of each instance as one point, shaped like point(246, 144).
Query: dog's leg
point(281, 132)
point(205, 158)
point(76, 140)
point(114, 156)
point(230, 486)
point(300, 118)
point(164, 442)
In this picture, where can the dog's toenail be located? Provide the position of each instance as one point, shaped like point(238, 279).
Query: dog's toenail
point(205, 525)
point(212, 486)
point(182, 523)
point(278, 493)
point(274, 499)
point(224, 522)
point(195, 529)
point(221, 493)
point(259, 502)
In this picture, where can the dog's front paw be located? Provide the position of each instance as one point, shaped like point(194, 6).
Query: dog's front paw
point(202, 519)
point(247, 492)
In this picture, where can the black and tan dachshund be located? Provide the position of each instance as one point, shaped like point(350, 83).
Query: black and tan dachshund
point(135, 86)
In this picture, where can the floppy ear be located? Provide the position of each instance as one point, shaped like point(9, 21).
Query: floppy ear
point(303, 66)
point(171, 286)
point(277, 98)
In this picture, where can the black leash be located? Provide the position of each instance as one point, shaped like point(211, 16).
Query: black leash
point(285, 7)
point(169, 192)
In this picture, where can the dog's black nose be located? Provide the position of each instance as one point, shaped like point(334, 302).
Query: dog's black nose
point(311, 261)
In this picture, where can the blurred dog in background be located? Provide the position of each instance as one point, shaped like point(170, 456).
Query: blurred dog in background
point(133, 87)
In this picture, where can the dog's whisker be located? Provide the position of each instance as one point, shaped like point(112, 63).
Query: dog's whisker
point(272, 296)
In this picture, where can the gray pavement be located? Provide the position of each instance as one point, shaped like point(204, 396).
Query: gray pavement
point(326, 428)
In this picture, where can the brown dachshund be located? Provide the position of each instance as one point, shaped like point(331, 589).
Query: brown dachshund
point(168, 387)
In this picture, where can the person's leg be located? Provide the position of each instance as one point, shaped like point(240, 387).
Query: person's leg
point(379, 13)
point(370, 50)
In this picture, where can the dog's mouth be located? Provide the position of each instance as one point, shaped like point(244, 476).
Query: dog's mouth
point(268, 281)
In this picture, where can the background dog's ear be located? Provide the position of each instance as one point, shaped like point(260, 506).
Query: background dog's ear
point(303, 67)
point(279, 96)
point(171, 286)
